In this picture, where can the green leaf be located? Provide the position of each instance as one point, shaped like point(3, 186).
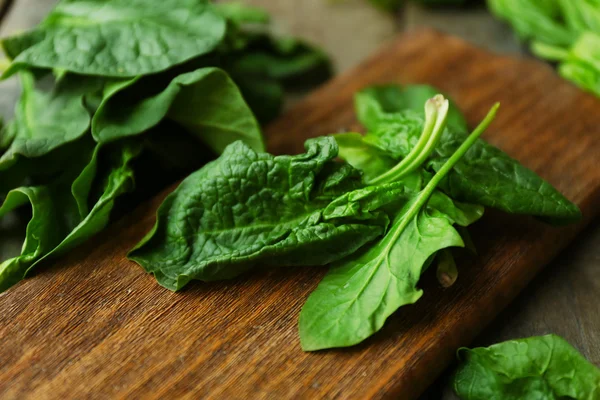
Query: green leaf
point(534, 20)
point(54, 213)
point(118, 38)
point(543, 367)
point(247, 208)
point(117, 180)
point(375, 104)
point(240, 14)
point(45, 121)
point(372, 161)
point(359, 293)
point(582, 64)
point(206, 102)
point(485, 176)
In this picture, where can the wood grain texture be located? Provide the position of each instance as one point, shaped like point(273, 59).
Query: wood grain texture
point(94, 325)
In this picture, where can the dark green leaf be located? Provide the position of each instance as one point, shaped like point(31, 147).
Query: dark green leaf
point(378, 104)
point(118, 38)
point(45, 121)
point(206, 102)
point(485, 176)
point(544, 367)
point(247, 207)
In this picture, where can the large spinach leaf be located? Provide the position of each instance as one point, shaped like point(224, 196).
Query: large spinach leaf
point(359, 293)
point(61, 218)
point(118, 38)
point(247, 207)
point(544, 367)
point(206, 102)
point(485, 176)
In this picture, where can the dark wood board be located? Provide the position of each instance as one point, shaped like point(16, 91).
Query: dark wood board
point(94, 325)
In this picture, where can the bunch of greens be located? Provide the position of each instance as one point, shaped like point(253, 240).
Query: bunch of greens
point(563, 31)
point(399, 199)
point(114, 90)
point(544, 367)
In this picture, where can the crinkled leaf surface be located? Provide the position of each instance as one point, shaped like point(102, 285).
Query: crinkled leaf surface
point(118, 38)
point(543, 367)
point(206, 102)
point(247, 207)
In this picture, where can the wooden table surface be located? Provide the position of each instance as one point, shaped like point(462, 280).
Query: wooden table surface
point(564, 298)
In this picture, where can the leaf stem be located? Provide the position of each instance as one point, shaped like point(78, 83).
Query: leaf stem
point(403, 219)
point(436, 114)
point(4, 64)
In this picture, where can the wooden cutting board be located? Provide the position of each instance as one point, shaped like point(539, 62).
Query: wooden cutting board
point(95, 325)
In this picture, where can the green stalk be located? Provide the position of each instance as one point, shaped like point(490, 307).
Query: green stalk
point(436, 114)
point(4, 64)
point(403, 219)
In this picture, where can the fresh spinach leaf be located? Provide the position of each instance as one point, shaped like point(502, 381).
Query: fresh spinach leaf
point(372, 161)
point(359, 293)
point(485, 176)
point(60, 218)
point(206, 102)
point(247, 207)
point(379, 103)
point(543, 367)
point(118, 38)
point(44, 121)
point(54, 213)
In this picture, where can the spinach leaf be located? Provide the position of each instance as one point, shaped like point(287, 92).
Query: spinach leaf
point(543, 367)
point(248, 207)
point(375, 104)
point(206, 102)
point(359, 293)
point(118, 38)
point(60, 218)
point(54, 213)
point(372, 161)
point(44, 121)
point(485, 176)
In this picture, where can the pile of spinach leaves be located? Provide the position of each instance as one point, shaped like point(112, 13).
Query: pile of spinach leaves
point(397, 201)
point(119, 92)
point(542, 367)
point(562, 31)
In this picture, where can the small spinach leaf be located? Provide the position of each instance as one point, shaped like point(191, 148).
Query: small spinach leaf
point(543, 367)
